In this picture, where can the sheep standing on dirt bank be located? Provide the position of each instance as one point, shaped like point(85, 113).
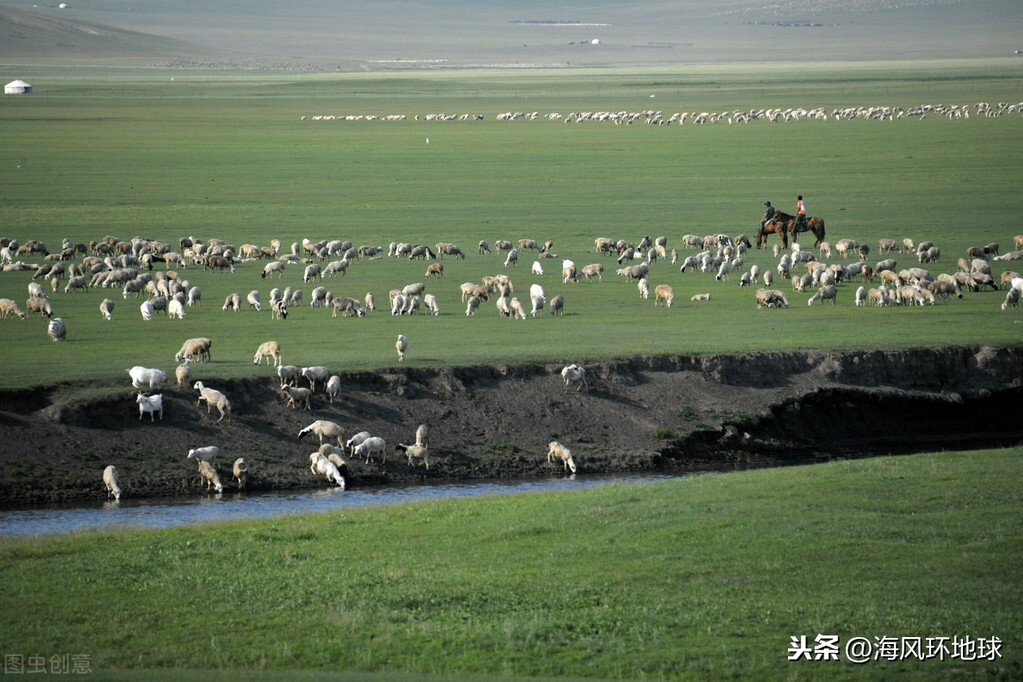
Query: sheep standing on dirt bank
point(574, 374)
point(557, 451)
point(401, 345)
point(296, 396)
point(370, 446)
point(324, 429)
point(110, 482)
point(183, 372)
point(208, 475)
point(333, 387)
point(203, 454)
point(423, 435)
point(415, 452)
point(315, 374)
point(213, 398)
point(241, 473)
point(57, 330)
point(151, 404)
point(143, 376)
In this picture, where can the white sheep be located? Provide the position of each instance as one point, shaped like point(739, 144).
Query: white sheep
point(825, 293)
point(538, 299)
point(147, 310)
point(357, 440)
point(430, 301)
point(175, 308)
point(106, 309)
point(295, 396)
point(209, 475)
point(151, 404)
point(414, 452)
point(861, 296)
point(213, 398)
point(1012, 297)
point(253, 300)
point(401, 345)
point(333, 387)
point(644, 287)
point(271, 350)
point(516, 308)
point(314, 374)
point(325, 429)
point(183, 372)
point(370, 446)
point(512, 259)
point(557, 451)
point(142, 376)
point(110, 482)
point(537, 268)
point(664, 292)
point(241, 473)
point(423, 435)
point(56, 329)
point(198, 347)
point(574, 374)
point(204, 454)
point(557, 306)
point(289, 375)
point(318, 464)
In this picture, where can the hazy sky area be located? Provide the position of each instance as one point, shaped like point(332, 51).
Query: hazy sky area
point(531, 33)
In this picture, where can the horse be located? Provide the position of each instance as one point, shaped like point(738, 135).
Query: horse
point(813, 224)
point(781, 224)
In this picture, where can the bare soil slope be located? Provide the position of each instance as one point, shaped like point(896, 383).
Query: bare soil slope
point(649, 413)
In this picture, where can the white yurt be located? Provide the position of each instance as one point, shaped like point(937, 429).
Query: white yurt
point(18, 87)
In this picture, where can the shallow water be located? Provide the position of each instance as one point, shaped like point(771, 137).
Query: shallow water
point(164, 512)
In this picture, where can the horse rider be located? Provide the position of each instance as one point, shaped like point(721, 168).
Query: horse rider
point(800, 213)
point(768, 215)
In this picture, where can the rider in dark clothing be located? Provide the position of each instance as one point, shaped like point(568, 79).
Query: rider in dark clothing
point(768, 214)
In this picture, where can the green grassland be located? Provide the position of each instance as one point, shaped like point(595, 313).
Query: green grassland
point(701, 578)
point(132, 152)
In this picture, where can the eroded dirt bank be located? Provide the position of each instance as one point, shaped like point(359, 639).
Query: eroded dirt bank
point(647, 413)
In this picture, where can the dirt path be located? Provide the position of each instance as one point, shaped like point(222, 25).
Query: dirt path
point(648, 413)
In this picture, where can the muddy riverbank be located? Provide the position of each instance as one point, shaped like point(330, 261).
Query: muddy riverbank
point(652, 413)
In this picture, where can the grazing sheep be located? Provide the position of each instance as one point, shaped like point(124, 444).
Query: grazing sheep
point(663, 292)
point(241, 473)
point(430, 301)
point(151, 404)
point(569, 274)
point(273, 267)
point(414, 452)
point(75, 283)
point(9, 308)
point(557, 305)
point(209, 475)
point(435, 269)
point(593, 270)
point(298, 395)
point(110, 482)
point(516, 308)
point(356, 440)
point(401, 345)
point(233, 302)
point(878, 296)
point(574, 374)
point(472, 306)
point(204, 454)
point(198, 347)
point(253, 300)
point(644, 287)
point(318, 464)
point(141, 376)
point(324, 429)
point(370, 301)
point(279, 310)
point(861, 297)
point(484, 248)
point(537, 269)
point(512, 259)
point(39, 304)
point(1011, 299)
point(314, 374)
point(106, 309)
point(771, 298)
point(370, 446)
point(345, 305)
point(271, 350)
point(557, 451)
point(825, 293)
point(194, 297)
point(213, 398)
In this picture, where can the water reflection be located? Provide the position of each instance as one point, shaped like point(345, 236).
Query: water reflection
point(163, 512)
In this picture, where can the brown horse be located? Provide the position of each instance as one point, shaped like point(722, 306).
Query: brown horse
point(813, 224)
point(781, 224)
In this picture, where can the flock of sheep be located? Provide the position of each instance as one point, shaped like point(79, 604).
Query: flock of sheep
point(655, 117)
point(130, 265)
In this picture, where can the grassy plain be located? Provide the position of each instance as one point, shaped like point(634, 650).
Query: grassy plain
point(702, 578)
point(135, 152)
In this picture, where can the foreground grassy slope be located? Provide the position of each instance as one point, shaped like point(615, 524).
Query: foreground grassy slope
point(228, 156)
point(704, 578)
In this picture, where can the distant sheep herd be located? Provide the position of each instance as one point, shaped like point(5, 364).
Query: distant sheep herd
point(656, 117)
point(129, 265)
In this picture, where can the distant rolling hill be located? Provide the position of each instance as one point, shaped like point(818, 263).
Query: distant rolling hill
point(380, 34)
point(35, 38)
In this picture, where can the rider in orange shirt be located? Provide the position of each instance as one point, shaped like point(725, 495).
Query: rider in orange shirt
point(800, 212)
